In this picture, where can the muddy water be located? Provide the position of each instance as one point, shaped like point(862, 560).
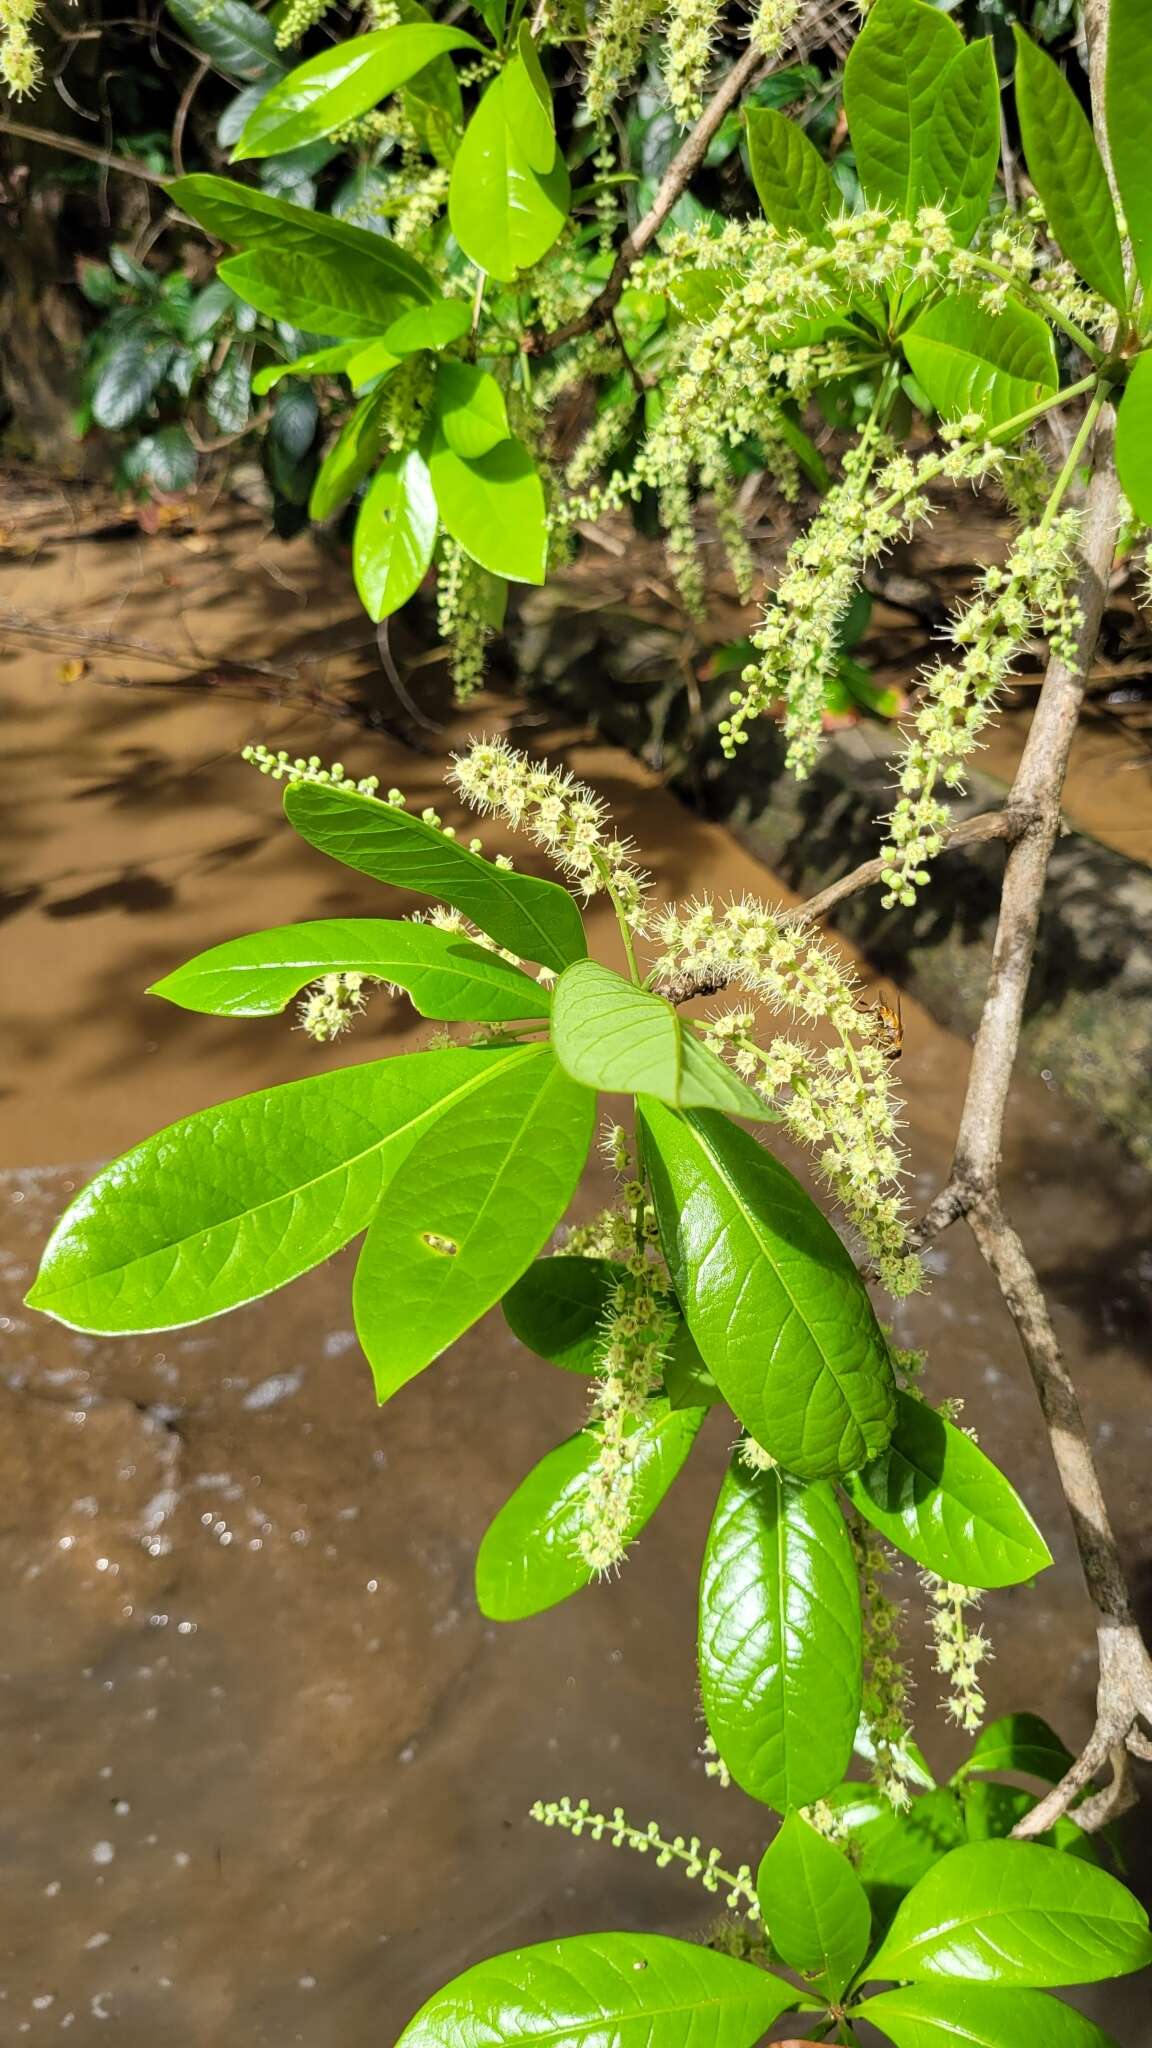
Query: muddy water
point(268, 1770)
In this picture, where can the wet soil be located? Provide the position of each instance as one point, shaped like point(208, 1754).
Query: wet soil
point(268, 1770)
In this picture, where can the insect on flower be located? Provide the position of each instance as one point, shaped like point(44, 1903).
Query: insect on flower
point(891, 1023)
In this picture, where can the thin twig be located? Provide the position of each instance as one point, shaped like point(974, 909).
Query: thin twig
point(24, 133)
point(1008, 823)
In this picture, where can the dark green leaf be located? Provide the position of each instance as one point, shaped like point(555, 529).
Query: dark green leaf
point(240, 42)
point(1134, 438)
point(395, 534)
point(504, 214)
point(1065, 166)
point(128, 381)
point(468, 1212)
point(530, 1557)
point(167, 460)
point(891, 83)
point(934, 1494)
point(445, 975)
point(957, 168)
point(815, 1908)
point(687, 1380)
point(979, 2016)
point(432, 101)
point(228, 396)
point(470, 408)
point(991, 1811)
point(340, 293)
point(433, 326)
point(780, 1636)
point(792, 180)
point(1129, 130)
point(247, 220)
point(558, 1308)
point(1020, 1742)
point(1013, 1913)
point(770, 1295)
point(892, 1851)
point(971, 360)
point(227, 1205)
point(295, 416)
point(604, 1991)
point(626, 1040)
point(329, 91)
point(494, 507)
point(536, 920)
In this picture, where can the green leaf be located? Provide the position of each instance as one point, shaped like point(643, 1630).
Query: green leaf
point(1013, 1913)
point(339, 85)
point(504, 214)
point(626, 1040)
point(1066, 168)
point(957, 169)
point(991, 1811)
point(227, 1205)
point(494, 507)
point(128, 381)
point(318, 362)
point(395, 534)
point(558, 1308)
point(1129, 57)
point(368, 365)
point(470, 408)
point(446, 976)
point(891, 83)
point(604, 1991)
point(1134, 438)
point(229, 394)
point(770, 1295)
point(167, 460)
point(530, 1558)
point(352, 454)
point(536, 920)
point(979, 2016)
point(687, 1380)
point(247, 219)
point(815, 1908)
point(971, 360)
point(432, 100)
point(240, 42)
point(792, 180)
point(431, 326)
point(1020, 1742)
point(934, 1494)
point(468, 1212)
point(529, 104)
point(780, 1636)
point(340, 294)
point(892, 1851)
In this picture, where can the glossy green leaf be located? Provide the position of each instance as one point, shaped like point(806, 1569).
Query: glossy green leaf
point(432, 101)
point(432, 327)
point(340, 293)
point(318, 362)
point(991, 1811)
point(892, 1851)
point(247, 219)
point(1134, 438)
point(240, 42)
point(530, 1558)
point(906, 1754)
point(770, 1295)
point(558, 1308)
point(891, 83)
point(957, 167)
point(347, 462)
point(971, 360)
point(529, 103)
point(504, 214)
point(336, 87)
point(792, 180)
point(534, 919)
point(815, 1909)
point(612, 1035)
point(604, 1991)
point(780, 1636)
point(395, 535)
point(494, 507)
point(1020, 1742)
point(227, 1205)
point(1066, 168)
point(934, 1494)
point(468, 1212)
point(687, 1380)
point(979, 2016)
point(470, 408)
point(1014, 1913)
point(445, 975)
point(1129, 62)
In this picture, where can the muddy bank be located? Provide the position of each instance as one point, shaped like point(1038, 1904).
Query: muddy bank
point(268, 1769)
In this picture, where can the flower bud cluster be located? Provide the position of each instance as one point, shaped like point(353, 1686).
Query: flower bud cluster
point(887, 1683)
point(690, 30)
point(958, 1650)
point(703, 1865)
point(560, 814)
point(21, 69)
point(331, 1006)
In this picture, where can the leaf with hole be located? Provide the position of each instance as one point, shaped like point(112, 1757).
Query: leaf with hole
point(770, 1294)
point(395, 535)
point(530, 1557)
point(779, 1646)
point(468, 1212)
point(536, 920)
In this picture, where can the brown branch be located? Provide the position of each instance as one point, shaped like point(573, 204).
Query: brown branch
point(1008, 823)
point(24, 133)
point(682, 168)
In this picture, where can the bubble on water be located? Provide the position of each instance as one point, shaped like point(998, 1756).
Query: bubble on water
point(97, 1940)
point(186, 1628)
point(66, 1543)
point(306, 1983)
point(52, 1891)
point(278, 1387)
point(102, 1852)
point(181, 1859)
point(121, 1806)
point(98, 2006)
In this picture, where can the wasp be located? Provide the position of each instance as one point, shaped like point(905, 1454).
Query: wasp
point(891, 1023)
